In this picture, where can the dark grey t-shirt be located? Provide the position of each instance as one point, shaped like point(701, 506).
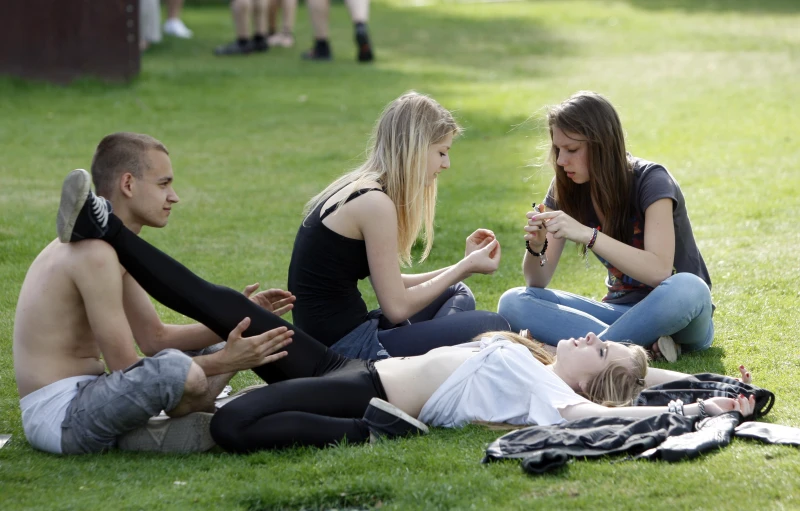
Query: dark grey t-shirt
point(652, 182)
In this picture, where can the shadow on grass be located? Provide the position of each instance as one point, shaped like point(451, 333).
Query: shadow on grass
point(748, 6)
point(366, 495)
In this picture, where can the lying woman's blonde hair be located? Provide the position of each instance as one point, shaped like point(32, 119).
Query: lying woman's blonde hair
point(397, 159)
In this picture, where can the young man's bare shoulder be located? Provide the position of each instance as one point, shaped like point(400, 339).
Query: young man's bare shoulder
point(89, 256)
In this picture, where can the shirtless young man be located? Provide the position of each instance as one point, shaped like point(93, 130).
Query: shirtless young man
point(318, 397)
point(78, 304)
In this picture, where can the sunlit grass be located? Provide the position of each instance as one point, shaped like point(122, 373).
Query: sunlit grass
point(707, 88)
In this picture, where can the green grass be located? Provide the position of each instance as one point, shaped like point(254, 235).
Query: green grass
point(708, 88)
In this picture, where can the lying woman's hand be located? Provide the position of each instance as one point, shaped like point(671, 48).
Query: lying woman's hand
point(719, 405)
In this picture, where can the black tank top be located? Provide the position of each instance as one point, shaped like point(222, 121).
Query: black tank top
point(324, 274)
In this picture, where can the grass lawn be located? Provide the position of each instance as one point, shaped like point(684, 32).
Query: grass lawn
point(708, 88)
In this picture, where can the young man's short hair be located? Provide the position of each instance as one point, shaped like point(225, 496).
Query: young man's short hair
point(118, 153)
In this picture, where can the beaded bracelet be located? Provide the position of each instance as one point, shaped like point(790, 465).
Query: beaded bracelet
point(594, 238)
point(540, 255)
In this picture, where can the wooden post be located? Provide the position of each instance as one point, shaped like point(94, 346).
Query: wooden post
point(60, 40)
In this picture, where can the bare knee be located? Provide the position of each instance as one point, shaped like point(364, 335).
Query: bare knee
point(196, 382)
point(195, 389)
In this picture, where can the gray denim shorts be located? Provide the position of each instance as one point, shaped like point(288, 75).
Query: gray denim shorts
point(116, 403)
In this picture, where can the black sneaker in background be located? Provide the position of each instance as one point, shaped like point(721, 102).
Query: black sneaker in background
point(385, 420)
point(259, 43)
point(321, 51)
point(362, 43)
point(81, 213)
point(243, 47)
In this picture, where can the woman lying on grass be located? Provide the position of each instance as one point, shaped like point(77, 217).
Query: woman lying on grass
point(318, 397)
point(364, 225)
point(632, 215)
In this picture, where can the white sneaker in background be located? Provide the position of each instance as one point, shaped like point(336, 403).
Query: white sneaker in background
point(176, 28)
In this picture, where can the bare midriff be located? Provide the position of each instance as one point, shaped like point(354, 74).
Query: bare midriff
point(410, 381)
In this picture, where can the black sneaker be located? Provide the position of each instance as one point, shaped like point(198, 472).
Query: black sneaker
point(385, 420)
point(259, 43)
point(364, 48)
point(320, 52)
point(235, 48)
point(81, 213)
point(312, 54)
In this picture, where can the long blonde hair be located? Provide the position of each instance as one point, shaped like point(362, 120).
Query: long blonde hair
point(616, 385)
point(619, 384)
point(397, 160)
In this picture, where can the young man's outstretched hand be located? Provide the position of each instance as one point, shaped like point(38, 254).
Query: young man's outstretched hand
point(248, 352)
point(277, 301)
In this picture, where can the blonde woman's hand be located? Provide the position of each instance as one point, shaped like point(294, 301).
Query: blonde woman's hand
point(564, 226)
point(719, 405)
point(478, 240)
point(535, 233)
point(484, 260)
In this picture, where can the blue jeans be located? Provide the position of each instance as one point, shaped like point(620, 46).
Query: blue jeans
point(680, 306)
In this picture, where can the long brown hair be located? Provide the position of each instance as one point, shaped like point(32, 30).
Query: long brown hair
point(592, 117)
point(397, 159)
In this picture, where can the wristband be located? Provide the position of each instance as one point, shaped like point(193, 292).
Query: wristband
point(594, 238)
point(702, 407)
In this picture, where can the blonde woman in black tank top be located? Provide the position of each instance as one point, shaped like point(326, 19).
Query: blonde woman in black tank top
point(364, 225)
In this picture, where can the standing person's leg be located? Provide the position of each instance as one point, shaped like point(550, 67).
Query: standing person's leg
point(284, 37)
point(174, 26)
point(289, 15)
point(319, 12)
point(457, 298)
point(219, 308)
point(420, 338)
point(240, 12)
point(359, 15)
point(272, 17)
point(679, 307)
point(149, 23)
point(552, 315)
point(260, 25)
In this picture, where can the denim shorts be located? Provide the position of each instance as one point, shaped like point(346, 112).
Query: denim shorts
point(115, 403)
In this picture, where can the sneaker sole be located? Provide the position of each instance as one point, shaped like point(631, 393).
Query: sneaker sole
point(74, 192)
point(669, 350)
point(389, 408)
point(187, 434)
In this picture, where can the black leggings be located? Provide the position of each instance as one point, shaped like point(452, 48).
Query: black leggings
point(448, 320)
point(295, 408)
